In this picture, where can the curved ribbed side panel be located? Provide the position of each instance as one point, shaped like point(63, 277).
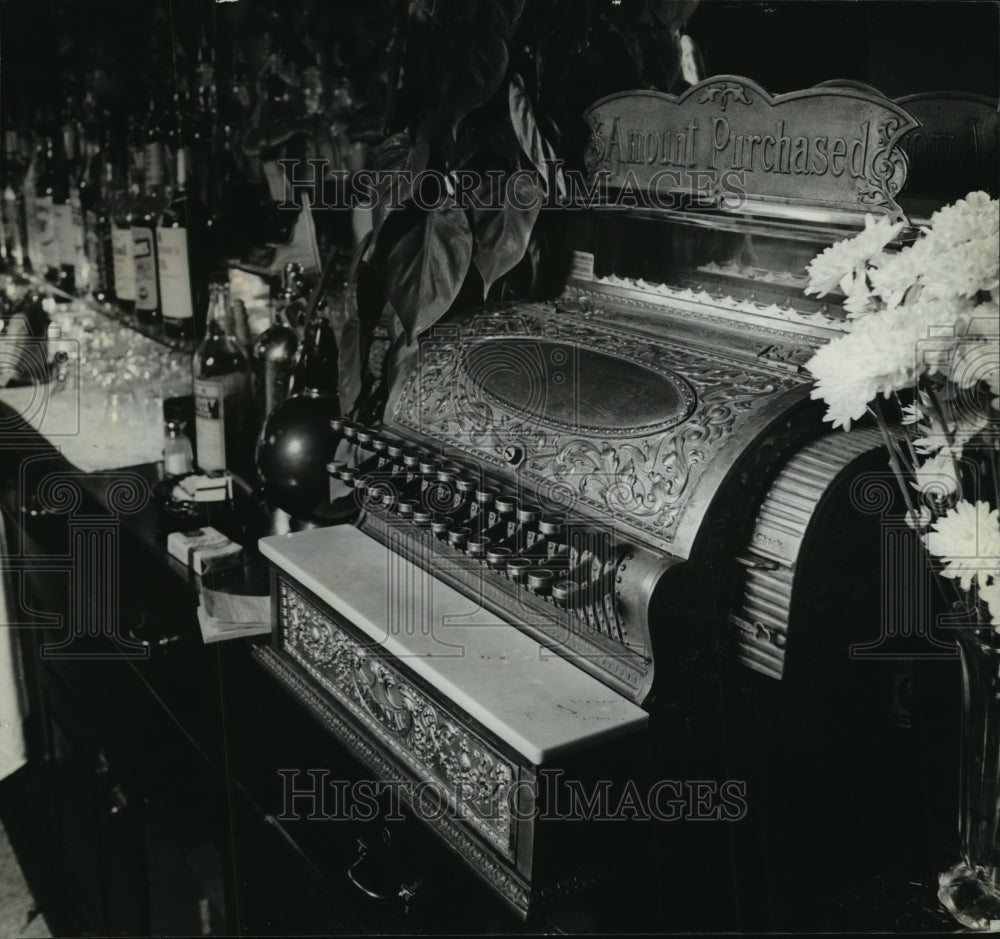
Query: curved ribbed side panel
point(762, 616)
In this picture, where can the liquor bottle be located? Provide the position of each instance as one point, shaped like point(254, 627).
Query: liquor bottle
point(121, 242)
point(221, 390)
point(12, 245)
point(296, 442)
point(181, 258)
point(145, 216)
point(65, 204)
point(49, 190)
point(316, 372)
point(5, 261)
point(84, 184)
point(274, 354)
point(29, 187)
point(97, 195)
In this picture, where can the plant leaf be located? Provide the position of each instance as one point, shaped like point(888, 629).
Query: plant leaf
point(674, 13)
point(479, 66)
point(395, 154)
point(502, 234)
point(425, 265)
point(502, 15)
point(536, 148)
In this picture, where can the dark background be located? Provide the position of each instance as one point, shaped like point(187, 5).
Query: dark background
point(901, 47)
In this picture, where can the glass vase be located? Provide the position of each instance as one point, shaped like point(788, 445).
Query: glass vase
point(970, 890)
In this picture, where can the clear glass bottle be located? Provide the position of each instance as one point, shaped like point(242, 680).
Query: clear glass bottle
point(221, 391)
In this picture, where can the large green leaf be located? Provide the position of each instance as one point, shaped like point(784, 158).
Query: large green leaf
point(475, 71)
point(536, 148)
point(502, 234)
point(424, 264)
point(396, 154)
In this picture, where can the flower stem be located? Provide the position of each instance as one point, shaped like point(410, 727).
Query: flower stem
point(907, 436)
point(949, 435)
point(894, 460)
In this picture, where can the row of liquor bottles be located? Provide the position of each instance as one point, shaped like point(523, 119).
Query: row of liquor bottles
point(131, 231)
point(258, 407)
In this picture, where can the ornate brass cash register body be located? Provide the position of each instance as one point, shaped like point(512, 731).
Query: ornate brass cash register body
point(575, 510)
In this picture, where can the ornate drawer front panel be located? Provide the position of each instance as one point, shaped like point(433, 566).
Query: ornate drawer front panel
point(417, 730)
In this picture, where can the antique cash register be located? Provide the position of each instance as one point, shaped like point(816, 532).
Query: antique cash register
point(571, 504)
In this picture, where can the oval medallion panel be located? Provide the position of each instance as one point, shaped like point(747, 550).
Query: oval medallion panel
point(577, 388)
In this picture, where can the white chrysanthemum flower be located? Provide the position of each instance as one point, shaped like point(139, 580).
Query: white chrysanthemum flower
point(893, 274)
point(883, 353)
point(919, 518)
point(977, 216)
point(977, 357)
point(967, 541)
point(914, 413)
point(959, 255)
point(963, 270)
point(828, 269)
point(935, 440)
point(936, 477)
point(860, 300)
point(936, 328)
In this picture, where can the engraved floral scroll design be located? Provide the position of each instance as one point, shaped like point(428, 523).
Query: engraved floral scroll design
point(595, 156)
point(412, 725)
point(724, 94)
point(886, 172)
point(647, 477)
point(366, 748)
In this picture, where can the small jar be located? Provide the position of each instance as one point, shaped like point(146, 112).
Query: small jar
point(178, 458)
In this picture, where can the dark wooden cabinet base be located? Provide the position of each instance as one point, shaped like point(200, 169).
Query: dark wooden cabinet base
point(188, 793)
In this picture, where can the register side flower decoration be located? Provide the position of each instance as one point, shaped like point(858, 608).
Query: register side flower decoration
point(924, 345)
point(922, 358)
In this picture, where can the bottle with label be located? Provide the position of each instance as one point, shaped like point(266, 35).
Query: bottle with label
point(85, 184)
point(97, 196)
point(79, 154)
point(145, 216)
point(51, 188)
point(221, 391)
point(181, 258)
point(29, 186)
point(12, 246)
point(123, 264)
point(65, 204)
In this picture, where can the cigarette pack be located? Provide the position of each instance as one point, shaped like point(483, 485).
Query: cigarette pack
point(196, 548)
